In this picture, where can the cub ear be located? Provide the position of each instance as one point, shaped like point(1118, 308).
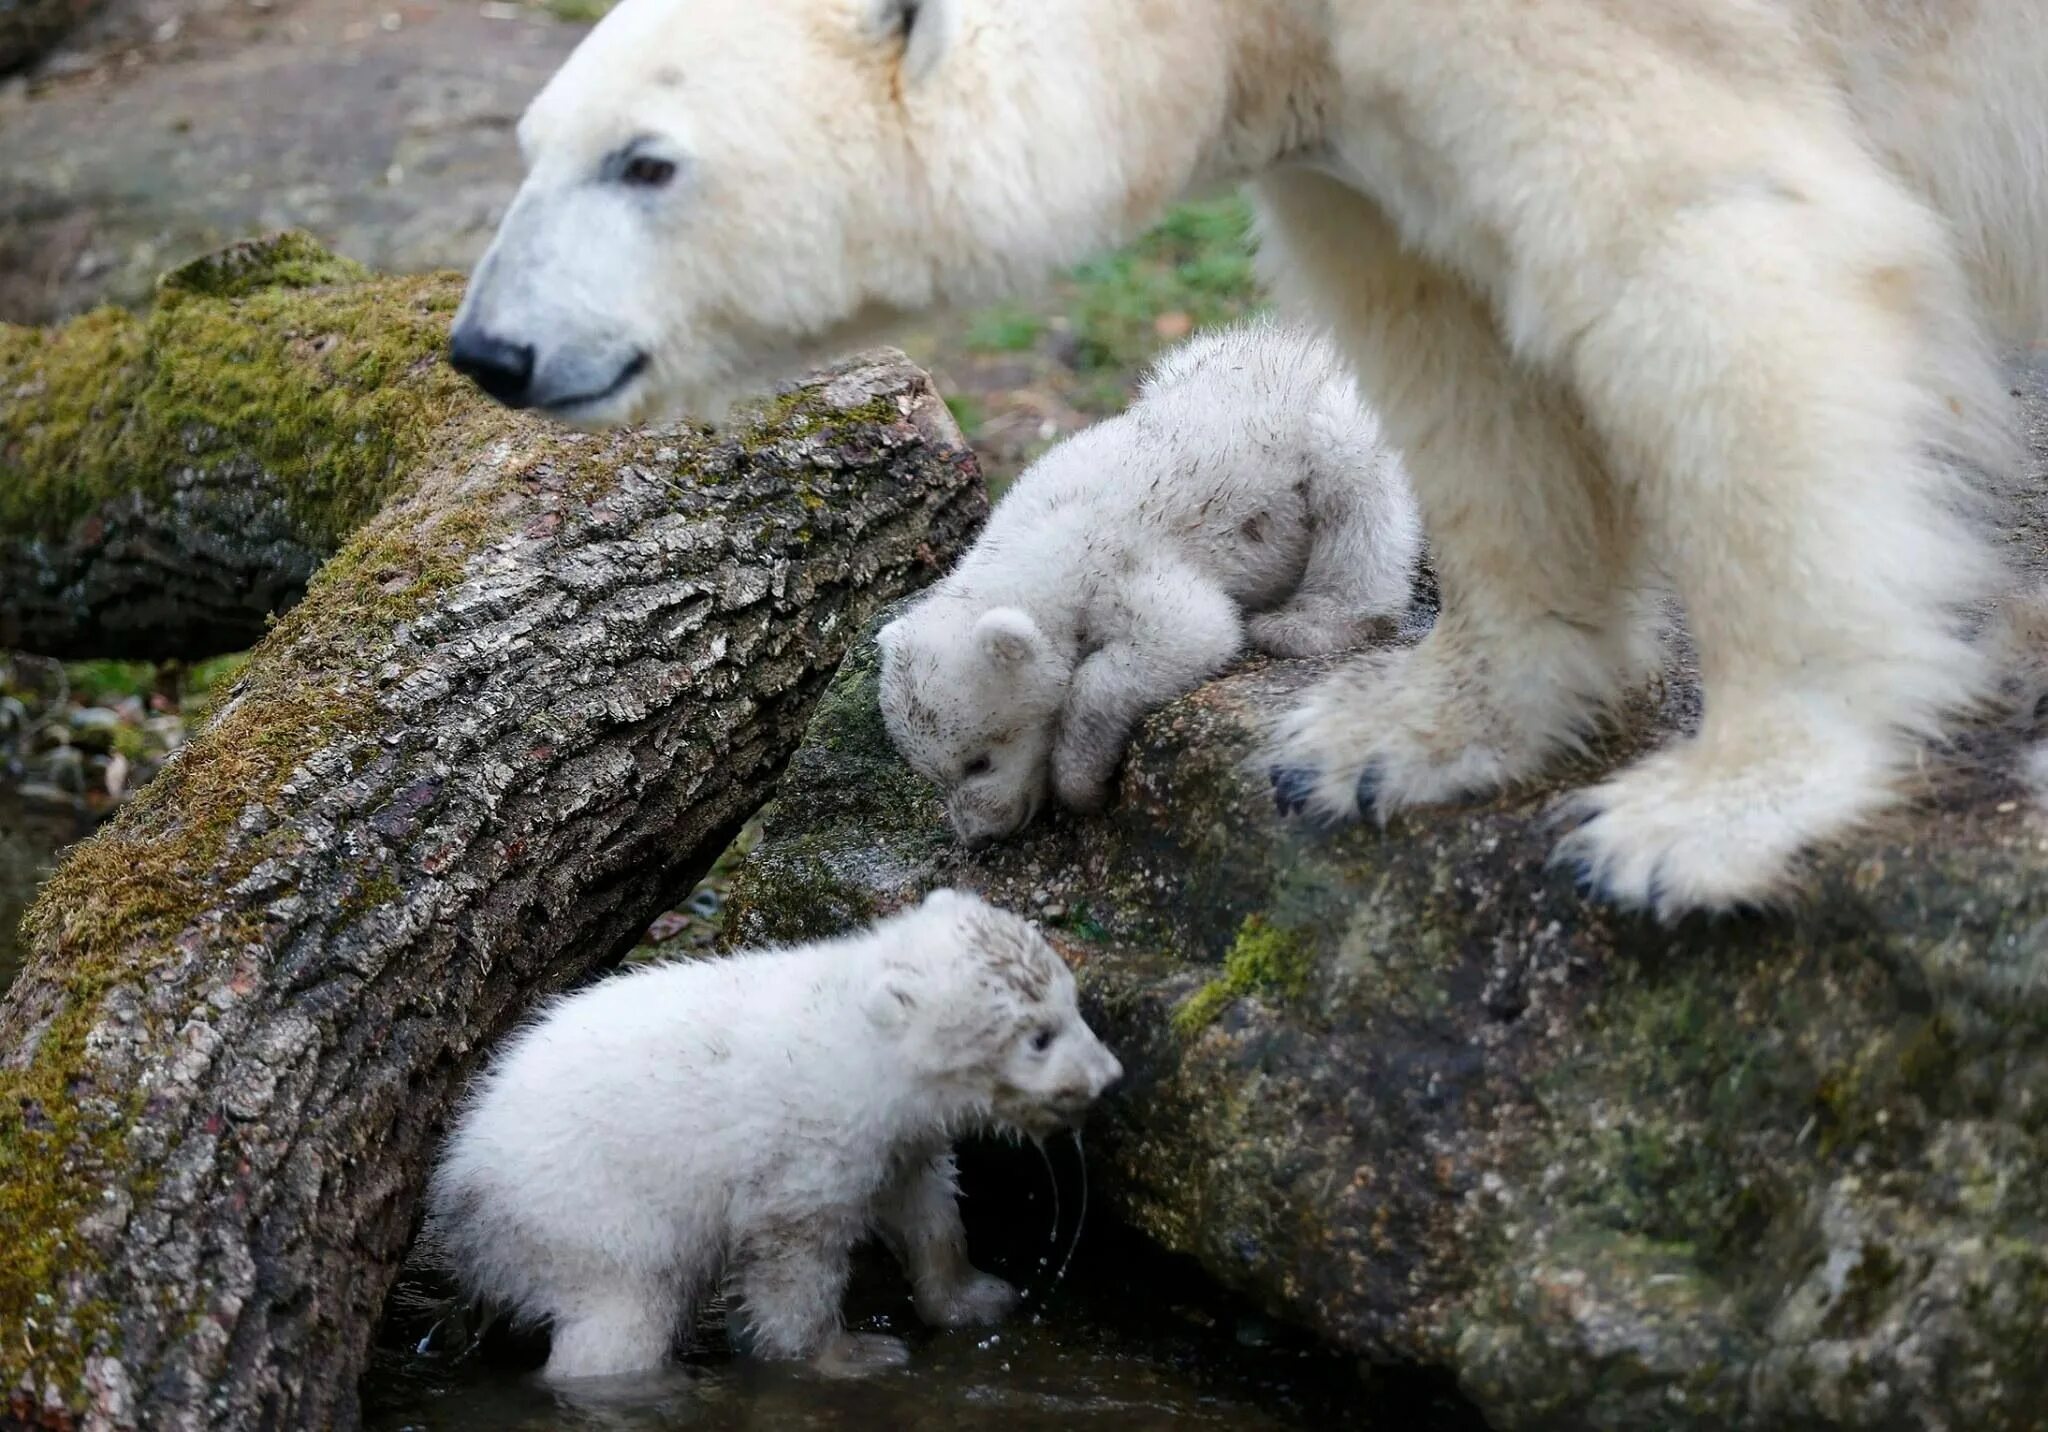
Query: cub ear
point(890, 1004)
point(890, 636)
point(924, 28)
point(1008, 637)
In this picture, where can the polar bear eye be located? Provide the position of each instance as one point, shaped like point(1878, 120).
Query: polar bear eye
point(979, 766)
point(1042, 1038)
point(647, 172)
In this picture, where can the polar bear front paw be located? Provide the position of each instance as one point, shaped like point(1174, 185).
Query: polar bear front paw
point(1718, 823)
point(977, 1302)
point(1394, 729)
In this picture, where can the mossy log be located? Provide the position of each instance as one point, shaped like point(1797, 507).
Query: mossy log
point(524, 705)
point(169, 481)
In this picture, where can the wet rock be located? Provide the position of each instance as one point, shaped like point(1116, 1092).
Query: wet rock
point(1408, 1088)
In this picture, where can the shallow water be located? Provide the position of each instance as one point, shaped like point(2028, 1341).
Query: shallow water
point(1130, 1340)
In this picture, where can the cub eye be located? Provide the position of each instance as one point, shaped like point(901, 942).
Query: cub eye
point(647, 172)
point(1042, 1038)
point(979, 766)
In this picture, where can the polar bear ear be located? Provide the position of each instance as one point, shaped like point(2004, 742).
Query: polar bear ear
point(890, 634)
point(1008, 637)
point(924, 28)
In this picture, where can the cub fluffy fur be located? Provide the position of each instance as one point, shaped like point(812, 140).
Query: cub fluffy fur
point(750, 1119)
point(1696, 292)
point(1248, 477)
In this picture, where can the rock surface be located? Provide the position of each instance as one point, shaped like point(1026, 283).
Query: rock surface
point(1408, 1088)
point(382, 126)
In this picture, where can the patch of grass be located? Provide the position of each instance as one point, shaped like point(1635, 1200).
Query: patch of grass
point(1008, 329)
point(968, 412)
point(103, 683)
point(1193, 270)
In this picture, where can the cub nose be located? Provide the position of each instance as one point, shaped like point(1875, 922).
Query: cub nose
point(1108, 1074)
point(504, 370)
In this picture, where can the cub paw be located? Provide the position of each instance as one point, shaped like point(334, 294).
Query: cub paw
point(861, 1354)
point(1080, 786)
point(1302, 631)
point(978, 1302)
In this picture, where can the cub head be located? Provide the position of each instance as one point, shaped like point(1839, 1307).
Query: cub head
point(991, 1009)
point(970, 700)
point(720, 192)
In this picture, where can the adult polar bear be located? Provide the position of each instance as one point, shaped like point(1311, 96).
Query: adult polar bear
point(1696, 293)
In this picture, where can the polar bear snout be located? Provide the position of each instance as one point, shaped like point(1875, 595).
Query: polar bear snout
point(571, 387)
point(503, 370)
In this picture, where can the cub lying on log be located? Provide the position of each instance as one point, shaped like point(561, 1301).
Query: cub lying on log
point(1246, 495)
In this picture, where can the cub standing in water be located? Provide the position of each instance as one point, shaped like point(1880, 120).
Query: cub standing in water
point(749, 1120)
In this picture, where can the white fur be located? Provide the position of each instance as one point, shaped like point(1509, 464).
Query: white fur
point(1246, 494)
point(751, 1118)
point(1695, 293)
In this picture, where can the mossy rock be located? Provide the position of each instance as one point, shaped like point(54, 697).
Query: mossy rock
point(1408, 1087)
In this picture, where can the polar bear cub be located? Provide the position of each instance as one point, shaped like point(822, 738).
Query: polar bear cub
point(750, 1119)
point(1246, 494)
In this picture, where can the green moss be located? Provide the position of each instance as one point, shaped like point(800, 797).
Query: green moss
point(275, 356)
point(1264, 959)
point(287, 260)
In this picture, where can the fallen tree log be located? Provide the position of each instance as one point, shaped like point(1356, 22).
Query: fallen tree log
point(169, 481)
point(524, 706)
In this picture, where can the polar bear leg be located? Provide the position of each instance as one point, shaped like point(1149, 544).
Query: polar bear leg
point(1786, 368)
point(919, 1215)
point(1166, 629)
point(619, 1326)
point(1541, 625)
point(791, 1280)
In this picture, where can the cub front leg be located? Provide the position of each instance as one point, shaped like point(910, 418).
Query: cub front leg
point(791, 1282)
point(919, 1216)
point(1165, 630)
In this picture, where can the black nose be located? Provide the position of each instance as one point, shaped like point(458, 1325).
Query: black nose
point(504, 370)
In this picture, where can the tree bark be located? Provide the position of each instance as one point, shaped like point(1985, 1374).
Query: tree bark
point(521, 709)
point(170, 481)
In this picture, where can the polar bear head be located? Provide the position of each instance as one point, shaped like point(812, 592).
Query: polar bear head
point(989, 1013)
point(971, 699)
point(719, 192)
